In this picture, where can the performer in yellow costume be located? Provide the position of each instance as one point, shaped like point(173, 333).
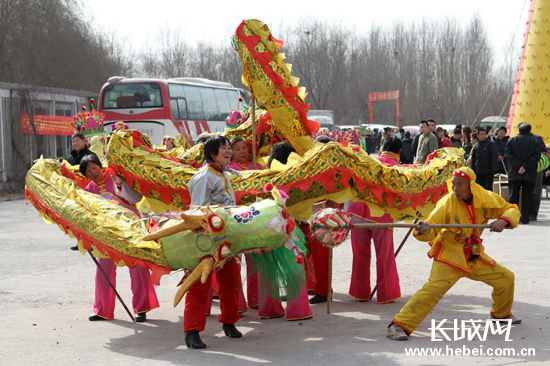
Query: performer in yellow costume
point(458, 252)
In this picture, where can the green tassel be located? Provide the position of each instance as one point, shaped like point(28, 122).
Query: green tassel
point(280, 275)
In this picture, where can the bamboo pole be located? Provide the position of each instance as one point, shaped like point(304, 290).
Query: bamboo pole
point(432, 226)
point(329, 293)
point(110, 284)
point(253, 115)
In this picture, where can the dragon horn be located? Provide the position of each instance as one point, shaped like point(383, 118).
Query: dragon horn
point(190, 222)
point(202, 271)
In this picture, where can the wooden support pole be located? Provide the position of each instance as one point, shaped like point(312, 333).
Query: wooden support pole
point(432, 226)
point(329, 293)
point(253, 116)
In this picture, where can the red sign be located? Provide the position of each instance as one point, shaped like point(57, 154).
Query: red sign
point(375, 97)
point(391, 95)
point(47, 125)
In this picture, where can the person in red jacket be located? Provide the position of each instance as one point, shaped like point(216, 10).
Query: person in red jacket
point(445, 141)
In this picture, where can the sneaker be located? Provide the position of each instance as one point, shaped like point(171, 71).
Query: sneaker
point(514, 319)
point(397, 333)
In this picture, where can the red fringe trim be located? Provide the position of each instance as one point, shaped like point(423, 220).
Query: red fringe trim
point(328, 179)
point(145, 187)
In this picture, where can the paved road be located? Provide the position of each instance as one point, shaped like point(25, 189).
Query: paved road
point(46, 296)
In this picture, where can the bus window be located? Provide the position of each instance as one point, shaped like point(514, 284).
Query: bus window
point(179, 109)
point(209, 105)
point(224, 103)
point(132, 95)
point(194, 103)
point(178, 103)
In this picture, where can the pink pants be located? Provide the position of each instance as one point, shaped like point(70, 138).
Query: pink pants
point(144, 297)
point(387, 279)
point(295, 309)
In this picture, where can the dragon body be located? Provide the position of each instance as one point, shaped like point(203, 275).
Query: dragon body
point(317, 172)
point(116, 232)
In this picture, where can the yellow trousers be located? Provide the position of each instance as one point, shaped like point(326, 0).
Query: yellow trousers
point(443, 277)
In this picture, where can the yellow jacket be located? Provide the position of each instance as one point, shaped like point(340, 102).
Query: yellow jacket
point(447, 244)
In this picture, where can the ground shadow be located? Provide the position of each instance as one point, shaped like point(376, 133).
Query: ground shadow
point(354, 333)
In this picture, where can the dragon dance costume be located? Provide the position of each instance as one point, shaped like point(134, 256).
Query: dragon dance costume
point(268, 307)
point(251, 276)
point(460, 253)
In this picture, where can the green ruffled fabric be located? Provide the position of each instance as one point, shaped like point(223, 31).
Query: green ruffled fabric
point(286, 277)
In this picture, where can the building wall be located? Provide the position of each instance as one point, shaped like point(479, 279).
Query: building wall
point(18, 151)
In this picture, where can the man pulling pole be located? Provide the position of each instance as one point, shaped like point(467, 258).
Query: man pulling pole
point(460, 253)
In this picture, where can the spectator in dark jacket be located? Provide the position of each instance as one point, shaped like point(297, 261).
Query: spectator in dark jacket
point(406, 149)
point(500, 141)
point(80, 149)
point(522, 154)
point(369, 142)
point(432, 126)
point(456, 139)
point(484, 160)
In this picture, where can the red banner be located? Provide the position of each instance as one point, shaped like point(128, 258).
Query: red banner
point(47, 125)
point(390, 95)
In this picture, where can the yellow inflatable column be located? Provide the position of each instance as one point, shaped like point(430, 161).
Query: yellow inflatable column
point(531, 98)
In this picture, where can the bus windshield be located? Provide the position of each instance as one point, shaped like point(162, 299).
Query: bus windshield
point(132, 95)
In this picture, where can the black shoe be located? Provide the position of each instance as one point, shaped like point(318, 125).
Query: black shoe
point(231, 331)
point(75, 247)
point(141, 317)
point(317, 299)
point(94, 318)
point(532, 217)
point(524, 222)
point(193, 340)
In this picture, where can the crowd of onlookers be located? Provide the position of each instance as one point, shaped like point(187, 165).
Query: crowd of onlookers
point(487, 151)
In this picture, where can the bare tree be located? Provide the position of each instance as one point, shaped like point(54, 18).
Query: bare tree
point(319, 53)
point(442, 70)
point(51, 43)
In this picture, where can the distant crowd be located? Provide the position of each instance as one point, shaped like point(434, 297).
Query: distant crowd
point(486, 151)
